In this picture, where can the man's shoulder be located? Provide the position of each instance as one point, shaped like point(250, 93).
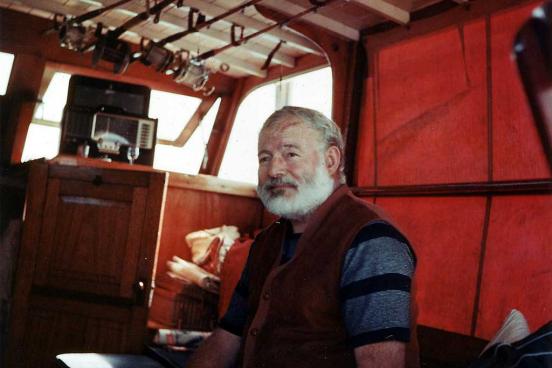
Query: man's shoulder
point(380, 228)
point(381, 237)
point(363, 205)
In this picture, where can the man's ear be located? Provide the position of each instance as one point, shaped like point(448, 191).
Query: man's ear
point(332, 159)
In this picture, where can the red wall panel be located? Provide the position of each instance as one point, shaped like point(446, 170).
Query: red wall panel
point(431, 119)
point(517, 271)
point(446, 235)
point(517, 151)
point(428, 107)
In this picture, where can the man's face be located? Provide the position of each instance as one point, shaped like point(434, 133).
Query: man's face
point(293, 178)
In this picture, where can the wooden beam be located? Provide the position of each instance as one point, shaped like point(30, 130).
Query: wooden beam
point(524, 187)
point(355, 99)
point(237, 64)
point(434, 18)
point(322, 21)
point(293, 39)
point(208, 183)
point(222, 129)
point(386, 10)
point(256, 50)
point(23, 90)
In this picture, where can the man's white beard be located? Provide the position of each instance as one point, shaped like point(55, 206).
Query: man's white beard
point(309, 196)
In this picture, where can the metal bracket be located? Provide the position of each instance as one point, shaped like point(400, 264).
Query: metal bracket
point(236, 34)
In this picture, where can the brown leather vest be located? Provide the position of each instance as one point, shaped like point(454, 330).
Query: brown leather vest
point(295, 309)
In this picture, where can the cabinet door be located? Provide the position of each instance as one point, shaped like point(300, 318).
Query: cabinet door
point(91, 238)
point(86, 263)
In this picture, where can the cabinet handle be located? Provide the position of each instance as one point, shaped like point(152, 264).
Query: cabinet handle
point(140, 292)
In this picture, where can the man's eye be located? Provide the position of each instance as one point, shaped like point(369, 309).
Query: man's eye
point(292, 154)
point(263, 159)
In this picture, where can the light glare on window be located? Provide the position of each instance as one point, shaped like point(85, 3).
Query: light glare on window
point(187, 159)
point(173, 111)
point(240, 158)
point(42, 141)
point(54, 99)
point(6, 63)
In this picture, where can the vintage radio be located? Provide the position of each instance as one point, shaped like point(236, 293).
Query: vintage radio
point(106, 119)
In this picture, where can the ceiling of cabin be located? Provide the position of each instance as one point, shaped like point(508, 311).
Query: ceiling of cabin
point(344, 17)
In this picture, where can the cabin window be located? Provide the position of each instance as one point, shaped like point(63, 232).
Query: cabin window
point(6, 63)
point(45, 129)
point(174, 112)
point(312, 90)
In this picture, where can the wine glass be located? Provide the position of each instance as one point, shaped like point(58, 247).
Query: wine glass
point(132, 154)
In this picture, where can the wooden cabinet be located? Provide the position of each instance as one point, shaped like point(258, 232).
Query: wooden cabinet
point(86, 262)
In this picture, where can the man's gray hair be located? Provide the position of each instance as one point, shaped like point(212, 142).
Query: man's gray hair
point(331, 135)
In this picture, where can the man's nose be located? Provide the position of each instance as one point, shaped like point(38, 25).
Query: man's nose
point(277, 167)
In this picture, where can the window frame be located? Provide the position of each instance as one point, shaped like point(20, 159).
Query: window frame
point(278, 105)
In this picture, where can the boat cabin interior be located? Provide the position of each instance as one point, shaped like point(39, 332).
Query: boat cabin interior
point(129, 160)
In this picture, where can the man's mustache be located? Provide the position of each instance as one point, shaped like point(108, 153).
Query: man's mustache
point(275, 182)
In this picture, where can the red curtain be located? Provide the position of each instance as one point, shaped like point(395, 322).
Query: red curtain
point(448, 107)
point(446, 235)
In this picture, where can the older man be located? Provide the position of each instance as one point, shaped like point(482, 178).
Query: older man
point(328, 284)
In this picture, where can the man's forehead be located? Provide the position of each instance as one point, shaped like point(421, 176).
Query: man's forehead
point(285, 125)
point(292, 133)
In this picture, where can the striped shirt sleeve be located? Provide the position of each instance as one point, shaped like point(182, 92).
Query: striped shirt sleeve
point(375, 286)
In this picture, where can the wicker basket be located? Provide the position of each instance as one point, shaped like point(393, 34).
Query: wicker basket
point(195, 309)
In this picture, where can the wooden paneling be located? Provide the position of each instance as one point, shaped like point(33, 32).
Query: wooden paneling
point(164, 307)
point(188, 210)
point(213, 184)
point(195, 203)
point(89, 239)
point(56, 326)
point(35, 198)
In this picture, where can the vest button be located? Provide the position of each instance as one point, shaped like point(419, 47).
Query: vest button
point(254, 331)
point(266, 296)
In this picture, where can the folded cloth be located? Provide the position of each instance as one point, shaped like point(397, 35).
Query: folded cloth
point(533, 351)
point(514, 328)
point(209, 246)
point(188, 272)
point(185, 338)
